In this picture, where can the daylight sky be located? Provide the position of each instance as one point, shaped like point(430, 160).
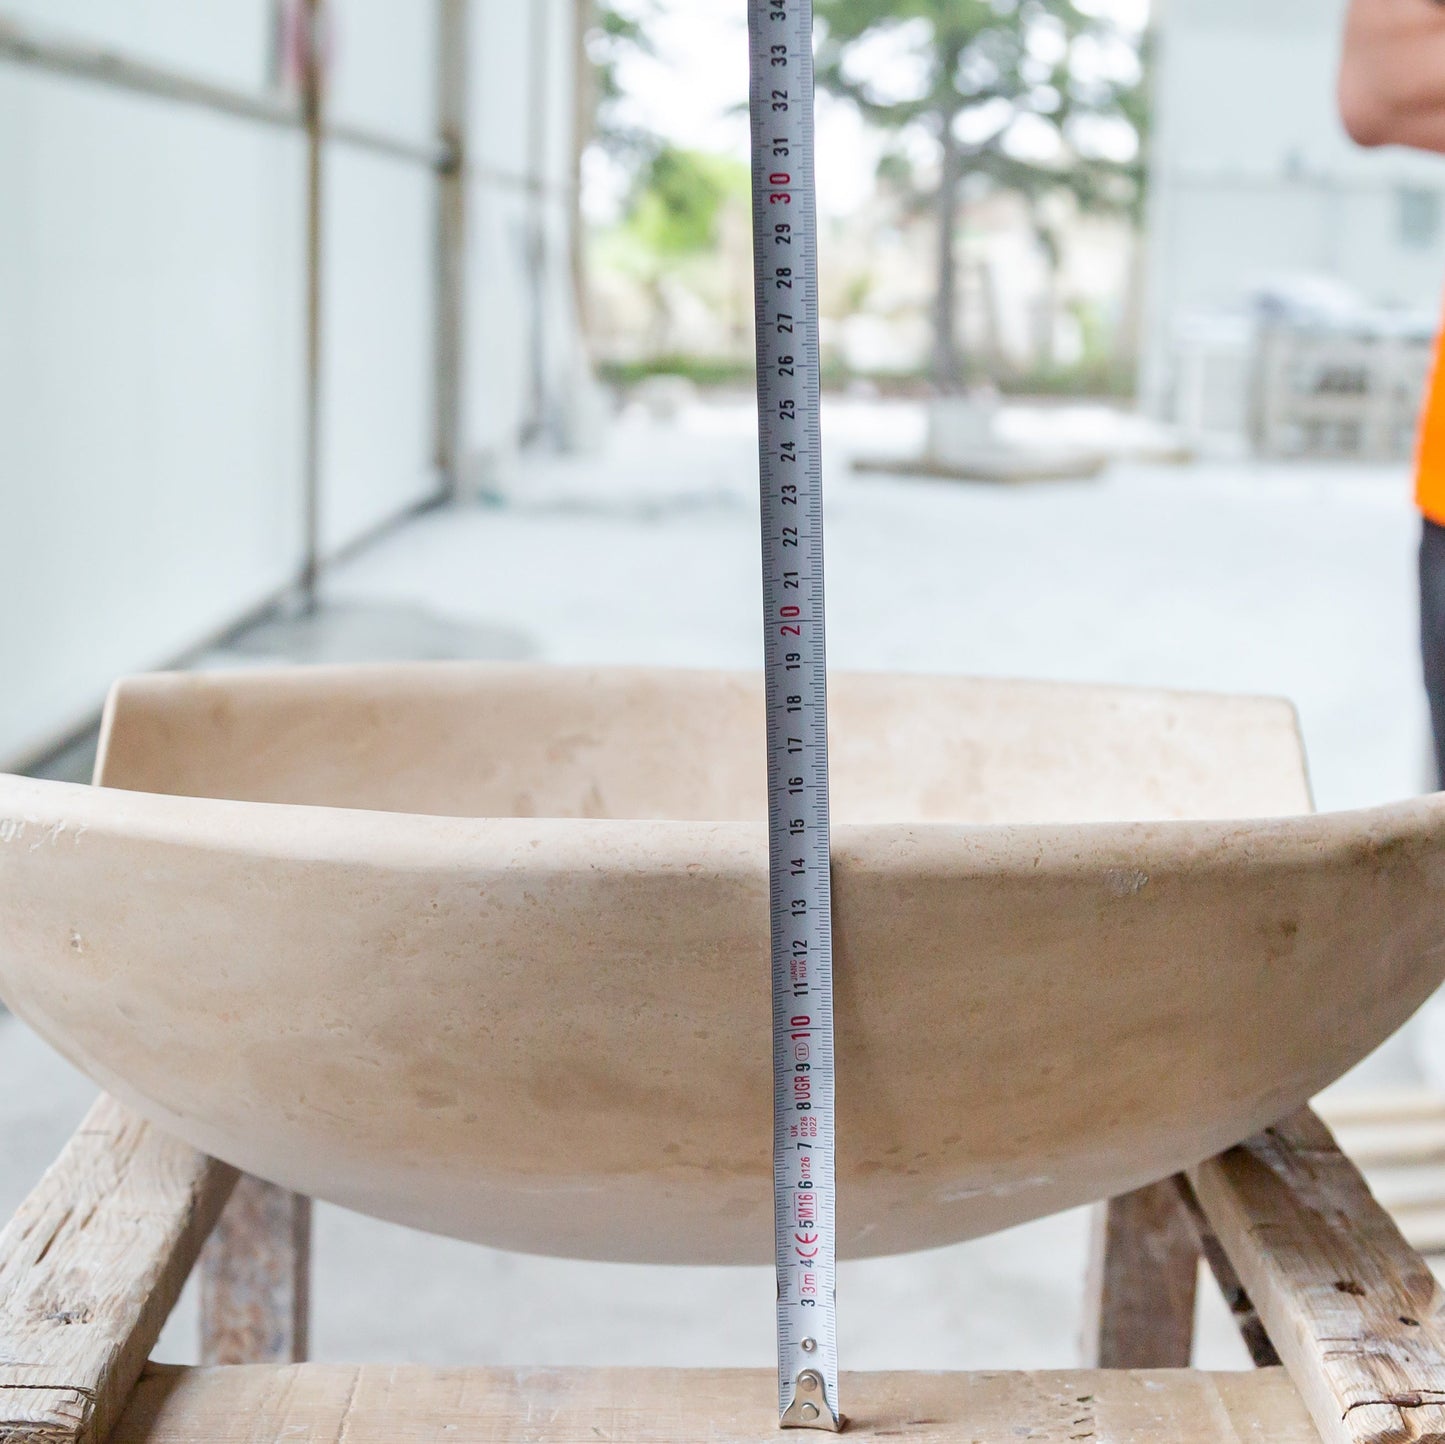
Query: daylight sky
point(691, 90)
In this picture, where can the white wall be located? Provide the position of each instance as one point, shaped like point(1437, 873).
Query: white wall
point(1252, 174)
point(152, 305)
point(524, 357)
point(378, 440)
point(386, 59)
point(150, 370)
point(226, 41)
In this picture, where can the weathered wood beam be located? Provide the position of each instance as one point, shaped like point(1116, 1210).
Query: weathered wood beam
point(255, 1278)
point(90, 1266)
point(1352, 1309)
point(1143, 1270)
point(388, 1404)
point(1236, 1297)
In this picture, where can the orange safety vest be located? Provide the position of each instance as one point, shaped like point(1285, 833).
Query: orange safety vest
point(1430, 448)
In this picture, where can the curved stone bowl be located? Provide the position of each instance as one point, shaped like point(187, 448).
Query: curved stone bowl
point(484, 949)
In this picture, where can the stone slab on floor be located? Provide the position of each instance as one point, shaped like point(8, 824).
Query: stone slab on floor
point(993, 465)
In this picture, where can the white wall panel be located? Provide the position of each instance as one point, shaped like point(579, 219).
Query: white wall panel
point(378, 318)
point(152, 319)
point(385, 61)
point(521, 315)
point(559, 80)
point(150, 385)
point(226, 41)
point(501, 87)
point(501, 301)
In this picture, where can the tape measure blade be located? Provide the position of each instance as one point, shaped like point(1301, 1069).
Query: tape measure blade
point(790, 469)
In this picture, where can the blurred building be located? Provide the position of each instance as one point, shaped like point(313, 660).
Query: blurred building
point(1257, 192)
point(157, 420)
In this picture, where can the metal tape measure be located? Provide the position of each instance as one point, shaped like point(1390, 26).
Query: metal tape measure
point(785, 278)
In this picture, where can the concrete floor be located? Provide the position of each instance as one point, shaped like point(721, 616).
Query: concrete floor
point(1283, 579)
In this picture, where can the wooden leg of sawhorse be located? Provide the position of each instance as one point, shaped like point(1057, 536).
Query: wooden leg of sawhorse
point(1143, 1270)
point(256, 1278)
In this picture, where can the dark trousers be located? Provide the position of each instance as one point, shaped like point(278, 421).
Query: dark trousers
point(1432, 633)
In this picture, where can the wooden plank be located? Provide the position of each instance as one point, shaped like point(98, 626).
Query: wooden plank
point(90, 1266)
point(255, 1278)
point(1353, 1310)
point(322, 1404)
point(1262, 1352)
point(1143, 1272)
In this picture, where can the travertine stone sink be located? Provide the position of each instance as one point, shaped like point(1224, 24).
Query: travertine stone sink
point(484, 949)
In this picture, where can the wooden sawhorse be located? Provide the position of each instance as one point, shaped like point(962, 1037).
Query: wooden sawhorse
point(1343, 1317)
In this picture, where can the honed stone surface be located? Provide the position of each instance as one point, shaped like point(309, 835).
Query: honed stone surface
point(484, 949)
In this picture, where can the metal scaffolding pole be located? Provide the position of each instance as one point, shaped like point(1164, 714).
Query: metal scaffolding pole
point(452, 92)
point(313, 103)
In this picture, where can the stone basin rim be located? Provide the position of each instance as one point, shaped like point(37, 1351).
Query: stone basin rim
point(304, 832)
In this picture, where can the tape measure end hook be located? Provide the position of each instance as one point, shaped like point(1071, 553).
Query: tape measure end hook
point(810, 1408)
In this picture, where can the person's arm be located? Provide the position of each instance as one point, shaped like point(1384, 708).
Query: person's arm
point(1392, 77)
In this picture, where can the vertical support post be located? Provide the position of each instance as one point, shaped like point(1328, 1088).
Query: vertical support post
point(538, 132)
point(1143, 1270)
point(1237, 1300)
point(256, 1278)
point(313, 105)
point(452, 92)
point(584, 105)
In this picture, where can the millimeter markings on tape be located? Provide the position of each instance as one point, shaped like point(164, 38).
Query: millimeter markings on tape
point(785, 277)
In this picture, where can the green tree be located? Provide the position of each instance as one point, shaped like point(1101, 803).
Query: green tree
point(612, 31)
point(674, 220)
point(1032, 96)
point(676, 207)
point(608, 33)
